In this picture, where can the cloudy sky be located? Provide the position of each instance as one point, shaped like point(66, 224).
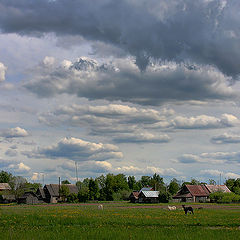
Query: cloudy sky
point(130, 86)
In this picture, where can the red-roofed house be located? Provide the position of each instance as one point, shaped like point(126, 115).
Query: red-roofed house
point(198, 193)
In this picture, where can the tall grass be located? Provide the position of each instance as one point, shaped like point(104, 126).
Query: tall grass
point(115, 222)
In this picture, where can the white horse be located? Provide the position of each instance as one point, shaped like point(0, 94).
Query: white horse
point(172, 208)
point(100, 207)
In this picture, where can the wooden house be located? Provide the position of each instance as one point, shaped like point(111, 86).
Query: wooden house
point(148, 197)
point(4, 187)
point(50, 192)
point(198, 193)
point(29, 198)
point(134, 197)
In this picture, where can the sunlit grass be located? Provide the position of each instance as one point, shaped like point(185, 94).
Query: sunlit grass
point(116, 221)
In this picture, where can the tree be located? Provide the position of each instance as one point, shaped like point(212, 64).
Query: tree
point(164, 197)
point(65, 182)
point(233, 185)
point(194, 182)
point(108, 190)
point(83, 194)
point(120, 182)
point(93, 189)
point(157, 182)
point(145, 181)
point(212, 182)
point(102, 186)
point(5, 177)
point(18, 185)
point(72, 198)
point(174, 186)
point(64, 192)
point(132, 182)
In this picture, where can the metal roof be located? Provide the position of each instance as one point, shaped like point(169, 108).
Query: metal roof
point(216, 188)
point(146, 189)
point(150, 193)
point(198, 190)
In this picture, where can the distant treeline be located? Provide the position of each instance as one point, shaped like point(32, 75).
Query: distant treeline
point(112, 187)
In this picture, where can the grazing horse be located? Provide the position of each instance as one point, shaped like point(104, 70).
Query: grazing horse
point(187, 209)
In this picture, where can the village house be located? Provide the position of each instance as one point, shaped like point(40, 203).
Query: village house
point(5, 192)
point(198, 193)
point(50, 192)
point(134, 196)
point(145, 195)
point(29, 198)
point(148, 197)
point(4, 187)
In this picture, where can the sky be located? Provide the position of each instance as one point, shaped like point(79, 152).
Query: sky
point(131, 86)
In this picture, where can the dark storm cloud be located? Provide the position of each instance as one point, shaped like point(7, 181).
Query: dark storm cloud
point(123, 81)
point(202, 31)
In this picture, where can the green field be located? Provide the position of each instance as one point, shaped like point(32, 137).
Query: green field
point(118, 221)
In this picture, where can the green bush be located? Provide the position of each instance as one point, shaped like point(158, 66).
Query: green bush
point(220, 197)
point(72, 198)
point(164, 197)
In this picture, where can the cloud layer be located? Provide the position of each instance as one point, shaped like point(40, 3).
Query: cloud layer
point(179, 30)
point(78, 150)
point(122, 80)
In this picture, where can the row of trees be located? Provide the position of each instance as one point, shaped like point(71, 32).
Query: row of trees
point(118, 187)
point(111, 187)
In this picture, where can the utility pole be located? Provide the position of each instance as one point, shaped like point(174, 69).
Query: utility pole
point(76, 171)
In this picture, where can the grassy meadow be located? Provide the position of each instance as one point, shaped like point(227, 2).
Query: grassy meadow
point(117, 221)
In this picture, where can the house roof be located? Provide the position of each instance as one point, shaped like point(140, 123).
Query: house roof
point(150, 194)
point(198, 190)
point(146, 189)
point(26, 194)
point(41, 192)
point(134, 194)
point(4, 186)
point(216, 188)
point(179, 195)
point(53, 189)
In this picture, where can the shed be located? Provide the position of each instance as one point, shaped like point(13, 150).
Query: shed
point(4, 187)
point(51, 192)
point(148, 197)
point(134, 197)
point(29, 198)
point(198, 193)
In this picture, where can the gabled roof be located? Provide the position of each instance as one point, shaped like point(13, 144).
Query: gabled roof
point(198, 190)
point(26, 194)
point(150, 194)
point(134, 194)
point(216, 188)
point(185, 195)
point(53, 189)
point(41, 192)
point(72, 188)
point(146, 189)
point(4, 186)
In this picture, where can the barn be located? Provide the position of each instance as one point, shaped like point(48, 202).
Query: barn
point(29, 198)
point(198, 193)
point(148, 197)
